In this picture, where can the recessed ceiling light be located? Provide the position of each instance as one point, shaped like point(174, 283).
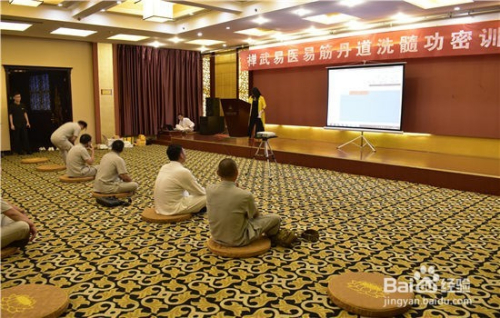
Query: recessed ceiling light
point(315, 32)
point(260, 20)
point(256, 32)
point(14, 26)
point(332, 18)
point(200, 34)
point(356, 25)
point(175, 39)
point(202, 49)
point(128, 37)
point(73, 32)
point(301, 12)
point(29, 3)
point(404, 18)
point(205, 42)
point(224, 45)
point(351, 3)
point(156, 44)
point(228, 28)
point(430, 4)
point(103, 10)
point(456, 8)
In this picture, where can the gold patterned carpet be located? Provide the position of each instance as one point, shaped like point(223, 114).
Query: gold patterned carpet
point(115, 265)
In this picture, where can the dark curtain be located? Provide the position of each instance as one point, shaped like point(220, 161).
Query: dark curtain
point(155, 85)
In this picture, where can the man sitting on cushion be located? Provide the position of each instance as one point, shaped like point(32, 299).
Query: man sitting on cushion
point(233, 217)
point(112, 175)
point(17, 229)
point(176, 189)
point(79, 161)
point(185, 124)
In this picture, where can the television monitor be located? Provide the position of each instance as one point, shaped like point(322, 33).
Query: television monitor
point(366, 97)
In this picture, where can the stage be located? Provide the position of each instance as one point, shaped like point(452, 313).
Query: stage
point(448, 171)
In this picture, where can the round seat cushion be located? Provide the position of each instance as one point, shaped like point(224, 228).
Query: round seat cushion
point(363, 294)
point(50, 168)
point(116, 195)
point(32, 301)
point(34, 160)
point(255, 248)
point(150, 215)
point(8, 251)
point(68, 179)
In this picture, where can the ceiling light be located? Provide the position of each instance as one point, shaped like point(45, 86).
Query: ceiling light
point(351, 3)
point(315, 32)
point(228, 28)
point(128, 37)
point(200, 34)
point(456, 8)
point(430, 4)
point(205, 42)
point(224, 45)
point(155, 44)
point(260, 20)
point(175, 40)
point(356, 25)
point(202, 49)
point(73, 32)
point(157, 11)
point(332, 18)
point(29, 3)
point(301, 12)
point(404, 18)
point(14, 26)
point(256, 32)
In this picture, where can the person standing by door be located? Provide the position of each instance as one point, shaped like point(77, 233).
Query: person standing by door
point(19, 124)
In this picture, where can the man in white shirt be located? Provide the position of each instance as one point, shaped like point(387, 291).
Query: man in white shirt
point(64, 137)
point(176, 189)
point(185, 124)
point(79, 161)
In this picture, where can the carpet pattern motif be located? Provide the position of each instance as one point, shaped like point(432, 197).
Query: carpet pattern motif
point(115, 265)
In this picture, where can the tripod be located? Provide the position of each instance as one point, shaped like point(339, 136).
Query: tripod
point(267, 152)
point(363, 142)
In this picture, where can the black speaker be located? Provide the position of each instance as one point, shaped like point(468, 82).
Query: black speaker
point(212, 106)
point(211, 125)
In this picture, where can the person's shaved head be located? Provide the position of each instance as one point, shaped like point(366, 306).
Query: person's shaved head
point(227, 169)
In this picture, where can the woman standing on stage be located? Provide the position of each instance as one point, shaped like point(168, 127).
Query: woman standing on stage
point(257, 113)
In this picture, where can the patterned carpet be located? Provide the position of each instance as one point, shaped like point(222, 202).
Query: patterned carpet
point(115, 265)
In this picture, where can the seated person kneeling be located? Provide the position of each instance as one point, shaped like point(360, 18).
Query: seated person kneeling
point(79, 161)
point(112, 175)
point(185, 124)
point(233, 217)
point(17, 229)
point(176, 189)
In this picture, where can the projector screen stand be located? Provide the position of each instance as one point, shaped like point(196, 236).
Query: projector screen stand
point(364, 142)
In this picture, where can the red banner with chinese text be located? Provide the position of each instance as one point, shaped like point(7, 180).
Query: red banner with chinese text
point(453, 40)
